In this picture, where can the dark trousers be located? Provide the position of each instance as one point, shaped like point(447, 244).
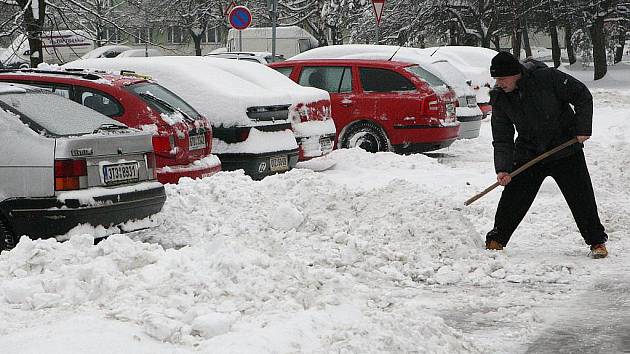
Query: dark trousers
point(571, 175)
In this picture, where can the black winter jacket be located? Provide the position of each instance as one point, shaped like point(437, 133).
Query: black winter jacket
point(540, 110)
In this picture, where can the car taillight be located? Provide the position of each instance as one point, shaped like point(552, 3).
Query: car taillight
point(68, 174)
point(303, 115)
point(434, 105)
point(163, 144)
point(150, 161)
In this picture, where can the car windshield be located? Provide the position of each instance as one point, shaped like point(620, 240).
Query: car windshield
point(153, 93)
point(56, 115)
point(431, 79)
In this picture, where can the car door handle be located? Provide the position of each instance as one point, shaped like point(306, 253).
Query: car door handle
point(346, 103)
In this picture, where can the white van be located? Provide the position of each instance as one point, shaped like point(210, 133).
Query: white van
point(290, 40)
point(58, 47)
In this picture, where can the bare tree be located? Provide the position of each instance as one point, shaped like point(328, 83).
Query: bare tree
point(194, 16)
point(104, 20)
point(479, 18)
point(31, 15)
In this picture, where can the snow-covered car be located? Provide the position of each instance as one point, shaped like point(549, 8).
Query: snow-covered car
point(251, 108)
point(256, 57)
point(468, 112)
point(132, 53)
point(63, 164)
point(309, 113)
point(474, 63)
point(182, 138)
point(106, 51)
point(382, 105)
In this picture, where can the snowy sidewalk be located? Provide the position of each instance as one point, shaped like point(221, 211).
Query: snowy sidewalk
point(596, 322)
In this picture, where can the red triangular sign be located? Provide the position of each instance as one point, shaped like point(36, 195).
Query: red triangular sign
point(379, 5)
point(229, 8)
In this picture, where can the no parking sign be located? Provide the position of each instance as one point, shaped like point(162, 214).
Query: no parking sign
point(240, 17)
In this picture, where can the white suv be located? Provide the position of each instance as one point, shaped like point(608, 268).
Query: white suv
point(63, 164)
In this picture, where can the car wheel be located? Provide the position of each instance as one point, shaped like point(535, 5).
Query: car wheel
point(25, 66)
point(367, 136)
point(7, 239)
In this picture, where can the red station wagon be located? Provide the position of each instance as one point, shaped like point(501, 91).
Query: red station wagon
point(182, 138)
point(381, 105)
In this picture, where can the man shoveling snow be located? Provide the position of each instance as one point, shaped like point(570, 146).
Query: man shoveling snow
point(536, 101)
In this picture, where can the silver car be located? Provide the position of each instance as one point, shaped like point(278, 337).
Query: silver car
point(62, 164)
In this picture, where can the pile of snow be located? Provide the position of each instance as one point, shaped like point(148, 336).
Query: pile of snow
point(303, 262)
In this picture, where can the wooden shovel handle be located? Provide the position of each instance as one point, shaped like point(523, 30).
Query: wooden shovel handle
point(523, 168)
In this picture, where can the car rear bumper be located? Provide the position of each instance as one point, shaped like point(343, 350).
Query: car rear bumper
point(316, 146)
point(431, 137)
point(172, 174)
point(258, 166)
point(469, 127)
point(47, 217)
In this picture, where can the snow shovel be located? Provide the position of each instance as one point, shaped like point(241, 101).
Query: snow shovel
point(523, 168)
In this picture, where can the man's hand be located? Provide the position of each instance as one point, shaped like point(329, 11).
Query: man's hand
point(582, 138)
point(503, 178)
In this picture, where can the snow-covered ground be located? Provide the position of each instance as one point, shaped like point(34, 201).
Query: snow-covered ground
point(377, 254)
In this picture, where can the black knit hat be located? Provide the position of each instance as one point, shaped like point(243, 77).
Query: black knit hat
point(504, 64)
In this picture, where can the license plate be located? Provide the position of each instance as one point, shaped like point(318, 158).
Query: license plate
point(326, 144)
point(196, 142)
point(120, 173)
point(278, 163)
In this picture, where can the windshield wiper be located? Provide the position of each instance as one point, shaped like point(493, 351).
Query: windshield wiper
point(174, 109)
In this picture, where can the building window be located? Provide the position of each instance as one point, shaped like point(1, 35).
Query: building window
point(111, 35)
point(176, 35)
point(211, 35)
point(143, 35)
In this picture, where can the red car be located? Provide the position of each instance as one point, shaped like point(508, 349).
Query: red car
point(182, 138)
point(381, 105)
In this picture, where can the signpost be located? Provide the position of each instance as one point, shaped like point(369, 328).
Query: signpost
point(240, 19)
point(273, 10)
point(378, 6)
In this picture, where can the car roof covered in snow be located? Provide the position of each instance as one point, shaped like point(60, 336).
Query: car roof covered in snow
point(220, 89)
point(59, 74)
point(347, 61)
